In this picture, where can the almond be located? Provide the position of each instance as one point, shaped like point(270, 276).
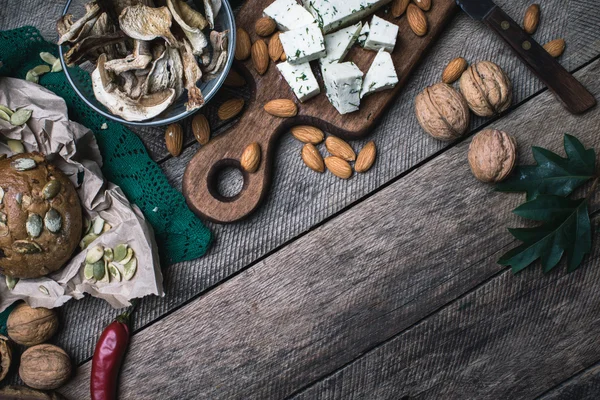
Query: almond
point(338, 167)
point(308, 134)
point(275, 47)
point(337, 147)
point(556, 47)
point(174, 139)
point(416, 20)
point(283, 108)
point(531, 19)
point(243, 45)
point(283, 56)
point(399, 7)
point(366, 158)
point(234, 79)
point(312, 158)
point(201, 129)
point(265, 26)
point(251, 158)
point(424, 5)
point(454, 70)
point(230, 109)
point(260, 56)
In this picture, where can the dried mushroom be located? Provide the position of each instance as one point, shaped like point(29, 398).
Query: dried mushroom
point(147, 23)
point(167, 72)
point(211, 8)
point(193, 34)
point(73, 28)
point(140, 59)
point(90, 44)
point(219, 56)
point(192, 74)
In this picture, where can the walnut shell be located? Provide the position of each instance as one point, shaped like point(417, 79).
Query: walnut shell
point(5, 356)
point(492, 155)
point(442, 112)
point(30, 326)
point(486, 88)
point(45, 367)
point(25, 393)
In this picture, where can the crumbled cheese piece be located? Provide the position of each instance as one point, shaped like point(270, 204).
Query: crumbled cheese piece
point(364, 33)
point(301, 79)
point(303, 44)
point(382, 35)
point(104, 126)
point(343, 82)
point(381, 76)
point(288, 14)
point(338, 44)
point(333, 14)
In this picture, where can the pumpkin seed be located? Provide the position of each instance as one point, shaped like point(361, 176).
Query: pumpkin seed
point(41, 69)
point(23, 164)
point(98, 226)
point(44, 290)
point(53, 221)
point(7, 110)
point(94, 254)
point(26, 247)
point(88, 271)
point(56, 66)
point(1, 195)
point(120, 252)
point(114, 272)
point(87, 240)
point(32, 77)
point(11, 282)
point(127, 257)
point(86, 226)
point(106, 278)
point(108, 254)
point(34, 225)
point(20, 116)
point(19, 198)
point(51, 189)
point(129, 269)
point(107, 227)
point(15, 146)
point(98, 269)
point(4, 116)
point(48, 57)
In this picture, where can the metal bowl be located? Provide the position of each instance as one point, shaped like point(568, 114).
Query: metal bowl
point(225, 20)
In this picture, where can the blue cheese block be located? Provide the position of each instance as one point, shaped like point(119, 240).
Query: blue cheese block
point(288, 14)
point(333, 14)
point(343, 83)
point(381, 76)
point(303, 44)
point(364, 33)
point(301, 79)
point(382, 35)
point(338, 44)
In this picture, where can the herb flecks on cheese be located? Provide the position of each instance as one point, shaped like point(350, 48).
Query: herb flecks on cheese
point(381, 75)
point(301, 79)
point(288, 14)
point(338, 44)
point(303, 44)
point(382, 35)
point(343, 83)
point(333, 14)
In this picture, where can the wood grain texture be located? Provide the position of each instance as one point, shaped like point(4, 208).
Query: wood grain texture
point(368, 275)
point(583, 386)
point(301, 199)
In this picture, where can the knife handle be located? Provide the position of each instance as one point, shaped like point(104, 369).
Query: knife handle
point(575, 97)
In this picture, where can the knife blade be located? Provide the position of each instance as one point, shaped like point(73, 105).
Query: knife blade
point(574, 96)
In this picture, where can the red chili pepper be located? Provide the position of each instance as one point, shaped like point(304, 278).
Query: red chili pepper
point(108, 356)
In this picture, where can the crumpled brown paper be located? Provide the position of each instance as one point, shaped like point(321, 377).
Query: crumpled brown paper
point(72, 147)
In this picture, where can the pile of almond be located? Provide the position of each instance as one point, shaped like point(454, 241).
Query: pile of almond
point(415, 14)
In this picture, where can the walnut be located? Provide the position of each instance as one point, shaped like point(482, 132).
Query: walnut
point(25, 393)
point(492, 155)
point(486, 88)
point(30, 326)
point(5, 356)
point(45, 367)
point(442, 112)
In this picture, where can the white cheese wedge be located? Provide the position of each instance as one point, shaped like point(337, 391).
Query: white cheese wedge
point(364, 33)
point(343, 82)
point(303, 44)
point(333, 14)
point(288, 14)
point(301, 79)
point(382, 35)
point(338, 44)
point(381, 75)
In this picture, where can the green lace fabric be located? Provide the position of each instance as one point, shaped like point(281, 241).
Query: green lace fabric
point(180, 235)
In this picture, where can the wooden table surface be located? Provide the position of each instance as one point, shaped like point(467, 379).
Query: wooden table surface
point(385, 286)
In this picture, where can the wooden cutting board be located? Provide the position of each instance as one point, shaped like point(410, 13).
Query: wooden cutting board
point(255, 125)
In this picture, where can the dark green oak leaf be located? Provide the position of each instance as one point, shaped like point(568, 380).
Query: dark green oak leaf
point(553, 174)
point(566, 228)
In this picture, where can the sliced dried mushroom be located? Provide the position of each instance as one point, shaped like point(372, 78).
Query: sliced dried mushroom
point(64, 23)
point(91, 43)
point(167, 72)
point(192, 74)
point(219, 57)
point(211, 8)
point(120, 104)
point(147, 23)
point(73, 28)
point(140, 59)
point(104, 26)
point(193, 34)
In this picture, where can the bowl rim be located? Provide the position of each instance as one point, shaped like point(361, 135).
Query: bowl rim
point(164, 121)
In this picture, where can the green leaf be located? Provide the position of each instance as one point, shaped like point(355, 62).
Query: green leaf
point(566, 229)
point(553, 174)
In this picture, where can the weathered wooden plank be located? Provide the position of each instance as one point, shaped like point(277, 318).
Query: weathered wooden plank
point(583, 386)
point(361, 279)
